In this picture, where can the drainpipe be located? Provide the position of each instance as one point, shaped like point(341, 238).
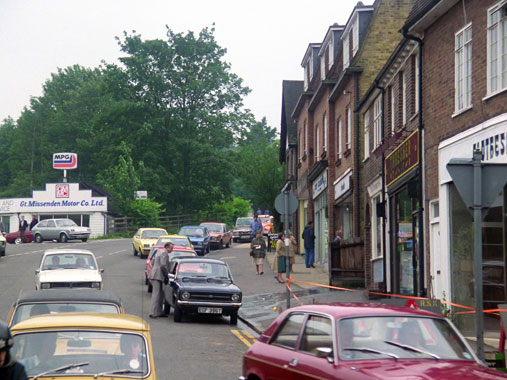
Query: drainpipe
point(422, 290)
point(383, 176)
point(356, 159)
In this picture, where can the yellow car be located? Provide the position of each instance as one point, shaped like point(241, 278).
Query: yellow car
point(78, 346)
point(144, 239)
point(176, 240)
point(3, 244)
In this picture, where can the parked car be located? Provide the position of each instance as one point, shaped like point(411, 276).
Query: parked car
point(55, 301)
point(84, 346)
point(201, 286)
point(144, 239)
point(199, 236)
point(59, 229)
point(68, 268)
point(241, 231)
point(176, 240)
point(3, 244)
point(219, 234)
point(267, 224)
point(15, 237)
point(362, 341)
point(178, 251)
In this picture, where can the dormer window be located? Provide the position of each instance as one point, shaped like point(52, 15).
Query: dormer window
point(346, 52)
point(307, 76)
point(355, 36)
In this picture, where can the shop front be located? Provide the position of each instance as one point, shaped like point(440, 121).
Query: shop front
point(343, 206)
point(58, 200)
point(320, 206)
point(457, 243)
point(404, 216)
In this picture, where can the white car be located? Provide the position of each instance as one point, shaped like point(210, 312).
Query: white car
point(68, 268)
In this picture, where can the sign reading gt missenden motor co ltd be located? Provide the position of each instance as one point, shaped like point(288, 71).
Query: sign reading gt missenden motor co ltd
point(64, 161)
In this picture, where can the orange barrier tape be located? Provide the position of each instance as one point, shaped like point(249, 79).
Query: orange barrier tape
point(472, 309)
point(293, 294)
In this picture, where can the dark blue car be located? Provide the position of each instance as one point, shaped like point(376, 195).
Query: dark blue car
point(199, 236)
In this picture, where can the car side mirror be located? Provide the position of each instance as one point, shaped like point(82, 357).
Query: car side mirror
point(37, 271)
point(325, 352)
point(101, 270)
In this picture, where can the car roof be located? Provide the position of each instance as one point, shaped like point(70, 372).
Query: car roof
point(340, 310)
point(191, 227)
point(212, 223)
point(173, 236)
point(150, 228)
point(68, 295)
point(101, 321)
point(200, 259)
point(53, 251)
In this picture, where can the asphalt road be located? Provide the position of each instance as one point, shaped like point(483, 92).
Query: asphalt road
point(198, 348)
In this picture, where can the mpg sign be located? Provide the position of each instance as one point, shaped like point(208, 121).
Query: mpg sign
point(64, 161)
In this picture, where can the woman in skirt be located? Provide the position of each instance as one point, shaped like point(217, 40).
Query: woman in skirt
point(258, 252)
point(280, 257)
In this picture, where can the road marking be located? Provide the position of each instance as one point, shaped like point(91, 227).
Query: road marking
point(248, 335)
point(227, 257)
point(241, 338)
point(98, 257)
point(114, 253)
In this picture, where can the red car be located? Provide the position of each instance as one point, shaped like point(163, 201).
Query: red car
point(219, 234)
point(178, 251)
point(15, 237)
point(362, 341)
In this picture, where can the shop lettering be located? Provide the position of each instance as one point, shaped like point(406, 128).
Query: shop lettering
point(403, 158)
point(64, 203)
point(492, 147)
point(5, 206)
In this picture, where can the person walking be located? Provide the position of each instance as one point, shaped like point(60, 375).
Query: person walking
point(158, 276)
point(33, 222)
point(309, 239)
point(10, 369)
point(293, 248)
point(255, 225)
point(258, 252)
point(280, 258)
point(23, 225)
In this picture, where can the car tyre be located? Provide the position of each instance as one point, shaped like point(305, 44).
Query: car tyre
point(178, 314)
point(84, 240)
point(38, 238)
point(166, 308)
point(234, 318)
point(221, 244)
point(135, 251)
point(2, 253)
point(208, 249)
point(142, 257)
point(63, 238)
point(150, 287)
point(18, 240)
point(228, 245)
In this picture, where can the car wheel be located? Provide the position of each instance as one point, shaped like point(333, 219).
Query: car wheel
point(84, 240)
point(221, 245)
point(228, 245)
point(2, 253)
point(135, 251)
point(166, 308)
point(18, 241)
point(208, 249)
point(64, 238)
point(38, 238)
point(150, 287)
point(178, 314)
point(234, 318)
point(142, 257)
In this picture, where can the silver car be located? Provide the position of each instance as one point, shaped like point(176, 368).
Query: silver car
point(59, 229)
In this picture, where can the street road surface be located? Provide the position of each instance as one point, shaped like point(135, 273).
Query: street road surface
point(199, 348)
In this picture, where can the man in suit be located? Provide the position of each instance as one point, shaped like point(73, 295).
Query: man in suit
point(158, 275)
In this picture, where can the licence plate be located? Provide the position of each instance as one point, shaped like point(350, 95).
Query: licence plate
point(209, 310)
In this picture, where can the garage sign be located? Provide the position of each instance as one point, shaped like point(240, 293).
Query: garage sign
point(64, 161)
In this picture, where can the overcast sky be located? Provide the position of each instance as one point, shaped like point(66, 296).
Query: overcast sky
point(265, 40)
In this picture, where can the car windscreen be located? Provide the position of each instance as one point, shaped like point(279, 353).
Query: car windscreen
point(243, 222)
point(65, 223)
point(69, 261)
point(203, 269)
point(265, 219)
point(406, 337)
point(213, 227)
point(100, 351)
point(152, 234)
point(174, 254)
point(176, 241)
point(25, 311)
point(192, 231)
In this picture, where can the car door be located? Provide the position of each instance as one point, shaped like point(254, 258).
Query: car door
point(171, 288)
point(205, 242)
point(318, 333)
point(135, 240)
point(49, 233)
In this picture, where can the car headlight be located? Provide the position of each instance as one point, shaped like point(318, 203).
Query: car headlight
point(236, 297)
point(45, 285)
point(96, 285)
point(185, 295)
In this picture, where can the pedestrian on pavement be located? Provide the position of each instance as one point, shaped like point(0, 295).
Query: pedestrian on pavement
point(280, 258)
point(258, 252)
point(33, 222)
point(10, 369)
point(23, 225)
point(293, 248)
point(255, 225)
point(309, 239)
point(2, 228)
point(159, 275)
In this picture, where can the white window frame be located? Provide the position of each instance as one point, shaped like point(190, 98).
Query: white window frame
point(317, 143)
point(306, 68)
point(393, 110)
point(495, 75)
point(374, 224)
point(349, 127)
point(377, 122)
point(331, 52)
point(345, 52)
point(323, 66)
point(463, 69)
point(305, 138)
point(325, 131)
point(355, 35)
point(339, 133)
point(404, 97)
point(300, 144)
point(366, 118)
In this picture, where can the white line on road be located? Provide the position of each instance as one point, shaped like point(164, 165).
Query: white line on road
point(98, 257)
point(114, 253)
point(227, 257)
